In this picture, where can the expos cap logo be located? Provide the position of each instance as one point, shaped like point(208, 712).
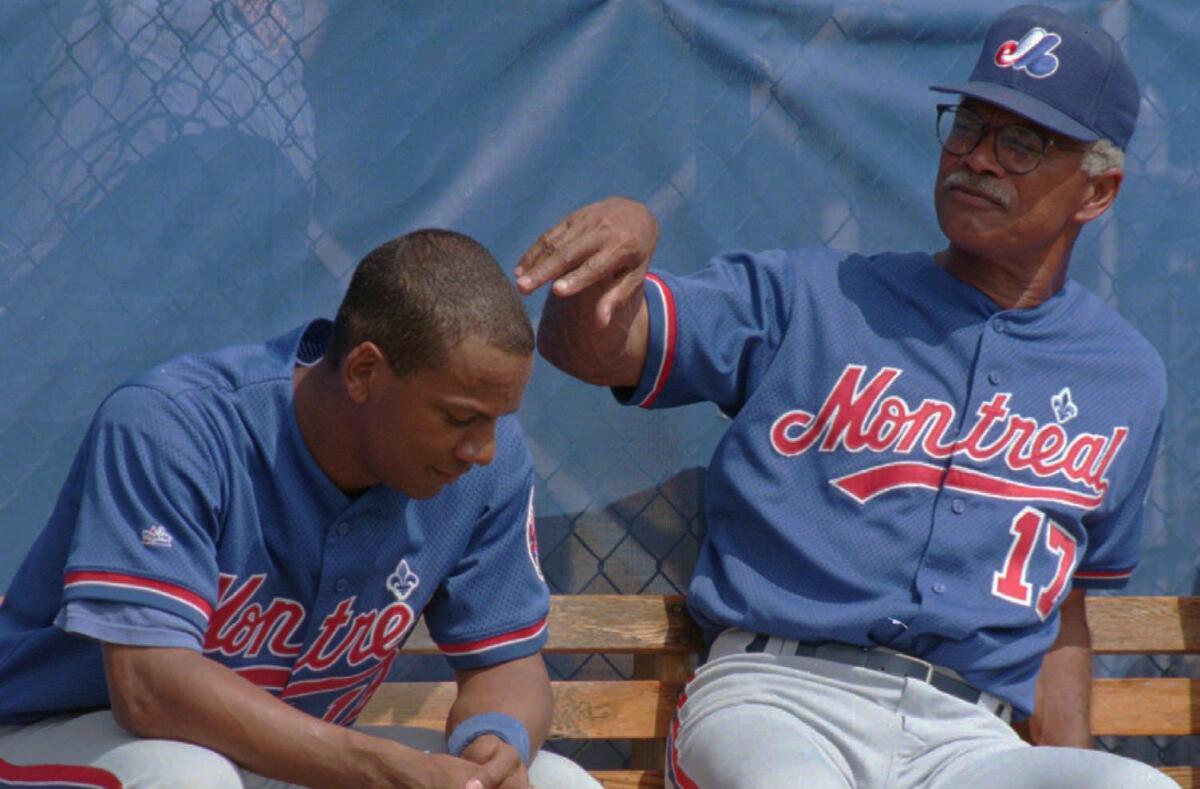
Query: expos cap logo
point(1033, 54)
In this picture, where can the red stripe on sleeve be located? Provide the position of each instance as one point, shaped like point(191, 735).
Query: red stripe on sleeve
point(159, 587)
point(485, 644)
point(669, 332)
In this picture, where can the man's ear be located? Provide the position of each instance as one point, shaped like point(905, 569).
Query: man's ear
point(361, 368)
point(1102, 191)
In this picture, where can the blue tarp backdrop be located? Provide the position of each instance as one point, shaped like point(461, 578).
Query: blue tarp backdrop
point(179, 176)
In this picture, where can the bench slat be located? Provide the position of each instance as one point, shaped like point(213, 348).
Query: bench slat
point(1144, 625)
point(1186, 777)
point(642, 624)
point(641, 709)
point(613, 624)
point(627, 709)
point(630, 779)
point(1143, 707)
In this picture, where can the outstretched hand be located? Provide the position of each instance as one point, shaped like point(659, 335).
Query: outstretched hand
point(599, 252)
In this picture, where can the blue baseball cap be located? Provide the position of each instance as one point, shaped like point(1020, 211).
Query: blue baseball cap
point(1067, 76)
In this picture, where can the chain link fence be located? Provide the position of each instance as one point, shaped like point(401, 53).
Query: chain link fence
point(177, 176)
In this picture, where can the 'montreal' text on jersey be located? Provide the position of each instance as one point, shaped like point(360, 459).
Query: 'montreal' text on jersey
point(858, 417)
point(240, 628)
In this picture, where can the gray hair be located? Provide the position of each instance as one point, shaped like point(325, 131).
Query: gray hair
point(1102, 156)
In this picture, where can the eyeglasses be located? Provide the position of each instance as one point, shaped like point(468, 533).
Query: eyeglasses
point(1019, 149)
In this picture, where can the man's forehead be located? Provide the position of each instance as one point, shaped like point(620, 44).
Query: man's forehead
point(480, 377)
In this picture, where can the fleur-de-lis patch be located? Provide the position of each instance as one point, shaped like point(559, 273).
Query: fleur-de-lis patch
point(1064, 409)
point(403, 581)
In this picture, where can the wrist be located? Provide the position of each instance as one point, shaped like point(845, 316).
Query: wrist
point(499, 724)
point(368, 760)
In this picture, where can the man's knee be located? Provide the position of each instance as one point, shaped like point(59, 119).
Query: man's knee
point(550, 769)
point(1125, 772)
point(148, 764)
point(1052, 768)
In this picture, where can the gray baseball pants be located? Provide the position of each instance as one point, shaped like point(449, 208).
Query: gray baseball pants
point(91, 750)
point(772, 720)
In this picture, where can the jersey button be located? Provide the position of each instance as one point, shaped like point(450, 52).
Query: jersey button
point(993, 378)
point(998, 325)
point(939, 588)
point(343, 529)
point(341, 585)
point(958, 505)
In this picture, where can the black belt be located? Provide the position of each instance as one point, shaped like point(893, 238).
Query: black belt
point(895, 663)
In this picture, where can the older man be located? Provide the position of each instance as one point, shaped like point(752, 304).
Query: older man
point(931, 458)
point(247, 537)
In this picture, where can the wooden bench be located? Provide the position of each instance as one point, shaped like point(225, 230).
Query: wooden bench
point(663, 642)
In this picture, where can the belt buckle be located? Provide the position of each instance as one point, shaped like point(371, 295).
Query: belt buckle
point(929, 667)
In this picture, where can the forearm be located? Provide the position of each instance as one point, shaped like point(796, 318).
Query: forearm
point(190, 698)
point(520, 688)
point(571, 337)
point(1063, 707)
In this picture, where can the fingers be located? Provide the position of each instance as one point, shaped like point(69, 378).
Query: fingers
point(519, 779)
point(553, 253)
point(600, 240)
point(604, 263)
point(489, 776)
point(557, 257)
point(498, 762)
point(516, 782)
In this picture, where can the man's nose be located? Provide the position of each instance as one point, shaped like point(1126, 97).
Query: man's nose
point(982, 159)
point(479, 446)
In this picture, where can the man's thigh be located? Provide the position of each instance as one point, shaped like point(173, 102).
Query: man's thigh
point(548, 770)
point(754, 747)
point(91, 750)
point(767, 721)
point(950, 744)
point(1048, 768)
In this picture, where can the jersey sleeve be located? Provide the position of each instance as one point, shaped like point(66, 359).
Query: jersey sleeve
point(1114, 542)
point(118, 623)
point(492, 608)
point(713, 333)
point(147, 519)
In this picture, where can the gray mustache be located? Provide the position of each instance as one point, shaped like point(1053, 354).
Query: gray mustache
point(980, 183)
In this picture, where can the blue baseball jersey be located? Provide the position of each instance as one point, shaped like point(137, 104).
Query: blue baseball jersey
point(908, 464)
point(194, 516)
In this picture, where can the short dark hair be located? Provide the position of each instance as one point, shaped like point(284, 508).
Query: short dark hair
point(421, 294)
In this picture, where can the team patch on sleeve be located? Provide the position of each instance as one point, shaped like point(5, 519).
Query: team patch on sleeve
point(122, 588)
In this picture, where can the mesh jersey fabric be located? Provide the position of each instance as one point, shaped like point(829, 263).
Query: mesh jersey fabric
point(908, 464)
point(193, 505)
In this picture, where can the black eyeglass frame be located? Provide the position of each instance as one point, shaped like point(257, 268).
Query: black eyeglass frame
point(1046, 142)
